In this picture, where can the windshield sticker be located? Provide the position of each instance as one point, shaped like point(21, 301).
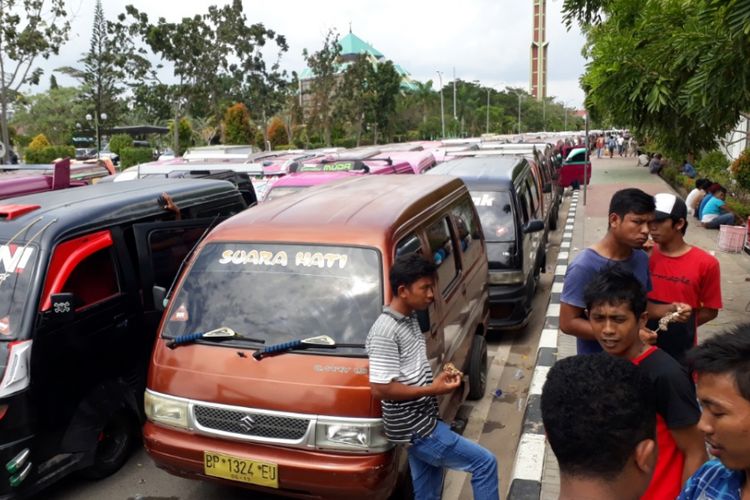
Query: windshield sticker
point(5, 326)
point(301, 259)
point(13, 259)
point(181, 314)
point(483, 201)
point(328, 167)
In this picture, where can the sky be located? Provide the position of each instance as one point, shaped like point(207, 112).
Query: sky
point(484, 40)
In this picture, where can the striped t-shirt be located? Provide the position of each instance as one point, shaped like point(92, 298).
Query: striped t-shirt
point(397, 351)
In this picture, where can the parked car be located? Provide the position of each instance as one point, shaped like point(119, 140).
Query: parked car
point(506, 193)
point(303, 422)
point(575, 169)
point(16, 182)
point(78, 321)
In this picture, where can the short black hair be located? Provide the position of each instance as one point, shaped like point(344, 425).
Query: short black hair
point(613, 285)
point(596, 408)
point(727, 352)
point(702, 183)
point(408, 269)
point(631, 200)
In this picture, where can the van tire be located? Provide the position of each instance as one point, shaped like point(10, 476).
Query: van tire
point(117, 439)
point(477, 368)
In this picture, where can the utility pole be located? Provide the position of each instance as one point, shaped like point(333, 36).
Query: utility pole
point(442, 105)
point(487, 128)
point(455, 117)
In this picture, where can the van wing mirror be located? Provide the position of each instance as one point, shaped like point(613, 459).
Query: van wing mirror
point(63, 307)
point(533, 226)
point(423, 318)
point(160, 294)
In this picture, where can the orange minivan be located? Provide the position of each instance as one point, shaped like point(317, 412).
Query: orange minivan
point(259, 377)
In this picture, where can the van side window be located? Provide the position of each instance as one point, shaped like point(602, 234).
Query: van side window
point(410, 244)
point(94, 279)
point(533, 197)
point(523, 201)
point(441, 248)
point(169, 247)
point(466, 225)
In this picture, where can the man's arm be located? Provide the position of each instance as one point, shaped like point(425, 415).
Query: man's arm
point(706, 314)
point(691, 442)
point(574, 323)
point(396, 391)
point(657, 310)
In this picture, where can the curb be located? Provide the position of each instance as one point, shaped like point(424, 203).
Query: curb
point(526, 482)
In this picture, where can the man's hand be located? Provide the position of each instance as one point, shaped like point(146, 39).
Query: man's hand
point(648, 336)
point(445, 383)
point(683, 311)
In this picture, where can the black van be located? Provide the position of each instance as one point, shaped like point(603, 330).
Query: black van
point(506, 194)
point(78, 320)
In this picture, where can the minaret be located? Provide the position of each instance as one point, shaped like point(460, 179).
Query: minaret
point(539, 51)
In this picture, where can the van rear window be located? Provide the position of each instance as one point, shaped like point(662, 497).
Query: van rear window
point(280, 293)
point(496, 215)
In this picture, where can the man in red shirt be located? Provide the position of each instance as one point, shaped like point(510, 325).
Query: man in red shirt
point(680, 273)
point(616, 305)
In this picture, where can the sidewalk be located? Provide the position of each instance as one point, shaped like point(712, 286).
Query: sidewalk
point(589, 225)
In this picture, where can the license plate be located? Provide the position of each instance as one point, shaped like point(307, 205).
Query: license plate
point(240, 469)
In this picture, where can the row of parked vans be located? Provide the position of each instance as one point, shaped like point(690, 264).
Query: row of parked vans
point(245, 328)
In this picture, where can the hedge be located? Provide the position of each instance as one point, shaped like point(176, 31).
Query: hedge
point(135, 156)
point(48, 154)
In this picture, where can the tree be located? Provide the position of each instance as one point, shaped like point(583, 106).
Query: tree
point(276, 132)
point(386, 83)
point(55, 113)
point(355, 95)
point(28, 30)
point(100, 76)
point(237, 126)
point(324, 68)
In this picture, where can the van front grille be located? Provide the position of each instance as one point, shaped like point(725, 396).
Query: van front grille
point(248, 423)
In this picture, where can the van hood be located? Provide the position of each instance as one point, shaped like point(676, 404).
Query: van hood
point(502, 255)
point(297, 382)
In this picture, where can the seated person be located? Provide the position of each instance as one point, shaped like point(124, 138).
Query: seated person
point(688, 169)
point(715, 212)
point(695, 196)
point(600, 421)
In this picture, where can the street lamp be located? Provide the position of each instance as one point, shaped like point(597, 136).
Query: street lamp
point(519, 95)
point(488, 112)
point(96, 118)
point(442, 105)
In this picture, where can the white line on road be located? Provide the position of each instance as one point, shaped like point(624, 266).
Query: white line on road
point(549, 338)
point(557, 287)
point(560, 270)
point(530, 461)
point(553, 310)
point(537, 380)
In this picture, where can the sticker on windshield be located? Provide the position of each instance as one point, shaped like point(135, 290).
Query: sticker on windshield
point(181, 314)
point(5, 326)
point(301, 259)
point(13, 259)
point(483, 201)
point(328, 167)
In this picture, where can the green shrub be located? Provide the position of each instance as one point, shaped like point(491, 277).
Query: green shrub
point(237, 126)
point(741, 169)
point(713, 164)
point(284, 147)
point(184, 135)
point(134, 156)
point(39, 141)
point(119, 141)
point(670, 174)
point(48, 154)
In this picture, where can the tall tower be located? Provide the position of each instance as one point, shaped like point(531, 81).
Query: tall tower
point(539, 51)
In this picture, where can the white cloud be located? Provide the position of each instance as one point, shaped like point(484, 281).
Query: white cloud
point(484, 40)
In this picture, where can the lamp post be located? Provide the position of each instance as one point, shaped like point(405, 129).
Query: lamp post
point(96, 118)
point(517, 94)
point(565, 110)
point(487, 128)
point(442, 105)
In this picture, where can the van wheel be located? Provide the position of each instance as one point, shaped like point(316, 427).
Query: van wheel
point(115, 442)
point(478, 368)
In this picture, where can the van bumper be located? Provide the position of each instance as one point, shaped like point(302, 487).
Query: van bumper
point(302, 473)
point(510, 306)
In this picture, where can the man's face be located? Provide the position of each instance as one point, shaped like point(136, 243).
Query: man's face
point(665, 230)
point(420, 294)
point(616, 328)
point(631, 230)
point(725, 420)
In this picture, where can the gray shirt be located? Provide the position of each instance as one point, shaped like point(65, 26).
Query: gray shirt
point(397, 352)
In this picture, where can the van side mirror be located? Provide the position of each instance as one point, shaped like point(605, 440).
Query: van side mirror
point(533, 226)
point(423, 318)
point(159, 294)
point(63, 307)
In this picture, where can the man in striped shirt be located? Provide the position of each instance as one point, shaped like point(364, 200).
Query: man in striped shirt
point(401, 378)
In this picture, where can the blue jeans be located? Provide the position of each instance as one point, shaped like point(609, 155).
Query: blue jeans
point(444, 448)
point(718, 221)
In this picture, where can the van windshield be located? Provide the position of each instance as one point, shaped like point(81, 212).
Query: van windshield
point(279, 293)
point(496, 214)
point(17, 264)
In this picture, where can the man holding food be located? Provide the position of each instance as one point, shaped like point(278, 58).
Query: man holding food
point(401, 378)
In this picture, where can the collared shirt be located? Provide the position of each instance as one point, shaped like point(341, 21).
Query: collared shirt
point(398, 352)
point(713, 481)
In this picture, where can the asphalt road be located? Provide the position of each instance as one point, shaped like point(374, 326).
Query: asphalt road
point(494, 421)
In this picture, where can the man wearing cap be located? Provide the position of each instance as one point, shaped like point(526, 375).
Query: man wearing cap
point(682, 275)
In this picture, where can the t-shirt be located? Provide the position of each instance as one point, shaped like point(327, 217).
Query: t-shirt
point(693, 278)
point(676, 408)
point(397, 351)
point(713, 481)
point(692, 197)
point(583, 268)
point(712, 209)
point(705, 200)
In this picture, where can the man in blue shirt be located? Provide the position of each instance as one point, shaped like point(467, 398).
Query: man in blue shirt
point(722, 364)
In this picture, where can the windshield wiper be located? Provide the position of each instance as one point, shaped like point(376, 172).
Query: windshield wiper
point(295, 345)
point(219, 333)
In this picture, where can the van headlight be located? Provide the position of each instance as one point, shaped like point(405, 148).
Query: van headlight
point(165, 410)
point(346, 435)
point(506, 277)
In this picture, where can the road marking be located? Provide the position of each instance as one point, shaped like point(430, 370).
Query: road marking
point(557, 287)
point(563, 256)
point(567, 234)
point(569, 227)
point(560, 270)
point(565, 244)
point(454, 480)
point(553, 310)
point(548, 338)
point(530, 458)
point(537, 380)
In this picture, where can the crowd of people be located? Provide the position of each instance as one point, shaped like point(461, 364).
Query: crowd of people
point(622, 144)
